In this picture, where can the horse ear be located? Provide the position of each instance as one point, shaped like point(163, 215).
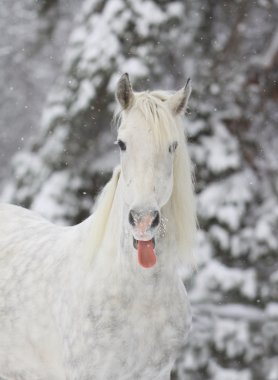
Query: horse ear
point(178, 101)
point(124, 92)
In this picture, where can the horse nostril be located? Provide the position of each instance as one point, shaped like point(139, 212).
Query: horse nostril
point(145, 220)
point(156, 219)
point(131, 218)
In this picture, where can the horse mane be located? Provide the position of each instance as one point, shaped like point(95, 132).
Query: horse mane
point(102, 211)
point(180, 210)
point(183, 202)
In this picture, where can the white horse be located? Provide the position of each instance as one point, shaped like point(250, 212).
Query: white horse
point(103, 299)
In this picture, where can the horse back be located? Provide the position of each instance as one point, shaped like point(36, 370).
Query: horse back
point(20, 230)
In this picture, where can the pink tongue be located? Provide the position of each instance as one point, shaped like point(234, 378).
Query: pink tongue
point(146, 253)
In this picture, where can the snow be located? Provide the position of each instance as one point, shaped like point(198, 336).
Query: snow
point(229, 374)
point(50, 115)
point(78, 35)
point(274, 277)
point(54, 147)
point(231, 311)
point(204, 253)
point(263, 231)
point(273, 369)
point(148, 14)
point(214, 89)
point(226, 201)
point(221, 236)
point(217, 278)
point(48, 202)
point(272, 310)
point(220, 155)
point(231, 338)
point(195, 128)
point(135, 66)
point(174, 8)
point(230, 216)
point(84, 97)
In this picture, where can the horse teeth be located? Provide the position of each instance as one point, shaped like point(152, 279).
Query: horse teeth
point(135, 243)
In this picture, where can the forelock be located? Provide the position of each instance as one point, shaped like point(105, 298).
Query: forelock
point(153, 108)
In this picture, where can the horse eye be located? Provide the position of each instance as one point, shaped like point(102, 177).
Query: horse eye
point(173, 147)
point(122, 145)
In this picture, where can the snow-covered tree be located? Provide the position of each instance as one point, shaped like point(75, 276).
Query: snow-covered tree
point(229, 49)
point(234, 291)
point(31, 32)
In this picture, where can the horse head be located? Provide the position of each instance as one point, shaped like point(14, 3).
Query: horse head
point(149, 139)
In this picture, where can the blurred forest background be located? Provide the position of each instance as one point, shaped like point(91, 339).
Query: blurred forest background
point(60, 61)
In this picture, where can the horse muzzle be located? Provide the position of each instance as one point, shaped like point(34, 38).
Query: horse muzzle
point(144, 223)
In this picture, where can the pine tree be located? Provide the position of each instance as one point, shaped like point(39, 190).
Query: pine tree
point(234, 334)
